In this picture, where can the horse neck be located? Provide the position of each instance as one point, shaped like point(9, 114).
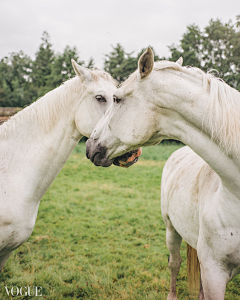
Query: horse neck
point(195, 120)
point(38, 141)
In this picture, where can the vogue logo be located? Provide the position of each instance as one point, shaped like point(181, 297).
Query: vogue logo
point(24, 291)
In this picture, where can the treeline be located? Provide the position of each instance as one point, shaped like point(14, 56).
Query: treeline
point(23, 80)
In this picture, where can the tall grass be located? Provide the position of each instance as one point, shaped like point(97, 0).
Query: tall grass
point(99, 235)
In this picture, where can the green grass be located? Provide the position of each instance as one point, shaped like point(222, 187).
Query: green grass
point(99, 235)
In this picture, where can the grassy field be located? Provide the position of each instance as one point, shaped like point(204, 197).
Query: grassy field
point(99, 235)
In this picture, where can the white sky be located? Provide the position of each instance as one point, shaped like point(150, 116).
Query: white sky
point(93, 26)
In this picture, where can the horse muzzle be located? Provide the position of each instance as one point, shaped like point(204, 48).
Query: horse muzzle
point(97, 154)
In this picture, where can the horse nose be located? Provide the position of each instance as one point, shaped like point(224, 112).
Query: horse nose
point(88, 147)
point(97, 154)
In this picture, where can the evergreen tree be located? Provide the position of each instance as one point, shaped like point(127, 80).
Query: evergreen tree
point(42, 65)
point(113, 62)
point(62, 69)
point(90, 64)
point(15, 80)
point(189, 48)
point(121, 64)
point(221, 48)
point(22, 80)
point(216, 47)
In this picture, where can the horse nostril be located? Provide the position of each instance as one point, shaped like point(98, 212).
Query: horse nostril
point(87, 154)
point(88, 147)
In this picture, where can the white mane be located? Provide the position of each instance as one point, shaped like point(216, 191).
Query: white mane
point(46, 109)
point(224, 107)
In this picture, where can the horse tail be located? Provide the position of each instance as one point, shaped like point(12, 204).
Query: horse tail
point(193, 269)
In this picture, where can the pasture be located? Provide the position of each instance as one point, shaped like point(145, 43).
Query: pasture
point(99, 235)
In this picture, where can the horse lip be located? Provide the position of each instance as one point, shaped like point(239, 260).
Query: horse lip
point(129, 164)
point(107, 163)
point(93, 157)
point(87, 153)
point(123, 160)
point(88, 147)
point(103, 162)
point(135, 160)
point(96, 160)
point(98, 155)
point(99, 160)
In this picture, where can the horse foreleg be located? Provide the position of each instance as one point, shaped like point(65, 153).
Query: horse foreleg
point(214, 280)
point(3, 260)
point(201, 293)
point(173, 243)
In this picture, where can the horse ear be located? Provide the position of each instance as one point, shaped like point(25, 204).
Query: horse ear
point(180, 61)
point(82, 72)
point(146, 62)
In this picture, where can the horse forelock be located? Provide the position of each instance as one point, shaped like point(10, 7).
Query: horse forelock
point(99, 74)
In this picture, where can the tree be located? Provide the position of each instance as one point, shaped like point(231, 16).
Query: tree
point(15, 80)
point(113, 62)
point(189, 48)
point(216, 47)
point(61, 68)
point(42, 65)
point(121, 64)
point(22, 80)
point(222, 51)
point(90, 64)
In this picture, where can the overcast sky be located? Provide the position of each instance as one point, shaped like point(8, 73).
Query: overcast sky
point(93, 25)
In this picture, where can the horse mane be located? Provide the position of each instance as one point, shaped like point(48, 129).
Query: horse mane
point(47, 109)
point(98, 74)
point(223, 108)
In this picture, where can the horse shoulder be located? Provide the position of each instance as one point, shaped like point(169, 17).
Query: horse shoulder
point(187, 172)
point(181, 172)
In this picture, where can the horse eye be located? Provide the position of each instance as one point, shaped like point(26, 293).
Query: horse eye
point(116, 100)
point(100, 98)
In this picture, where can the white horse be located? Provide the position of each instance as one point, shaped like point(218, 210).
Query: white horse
point(36, 143)
point(200, 196)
